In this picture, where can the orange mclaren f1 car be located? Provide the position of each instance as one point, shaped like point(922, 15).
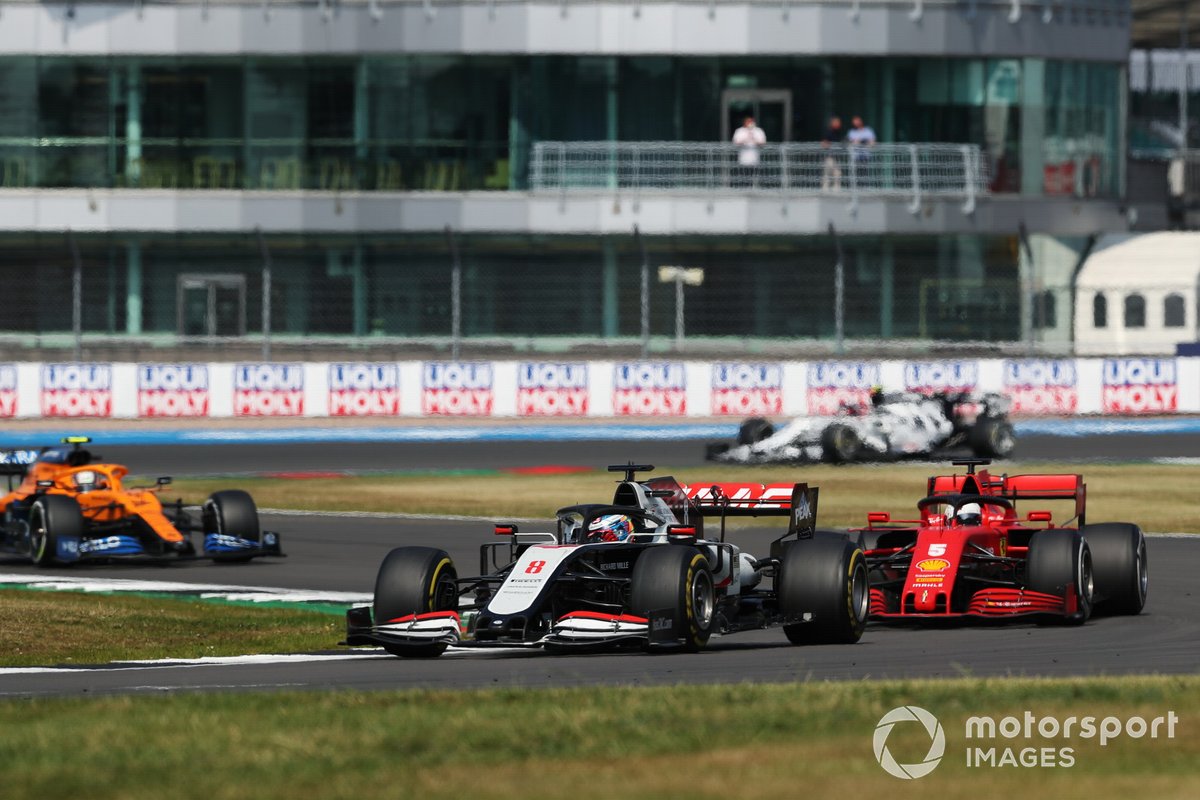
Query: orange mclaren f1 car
point(69, 507)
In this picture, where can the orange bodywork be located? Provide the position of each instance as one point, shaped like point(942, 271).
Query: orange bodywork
point(108, 502)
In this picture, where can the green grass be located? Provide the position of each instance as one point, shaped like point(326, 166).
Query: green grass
point(783, 740)
point(1157, 497)
point(47, 628)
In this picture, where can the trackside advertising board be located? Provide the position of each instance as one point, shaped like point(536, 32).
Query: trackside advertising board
point(8, 390)
point(360, 389)
point(268, 390)
point(833, 385)
point(77, 390)
point(457, 388)
point(1042, 386)
point(552, 389)
point(650, 389)
point(742, 389)
point(560, 389)
point(1139, 386)
point(172, 390)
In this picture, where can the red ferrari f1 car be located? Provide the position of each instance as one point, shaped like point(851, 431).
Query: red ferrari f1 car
point(971, 554)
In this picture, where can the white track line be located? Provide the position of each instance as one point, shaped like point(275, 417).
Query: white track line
point(286, 512)
point(256, 594)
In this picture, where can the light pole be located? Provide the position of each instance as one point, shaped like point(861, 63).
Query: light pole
point(692, 276)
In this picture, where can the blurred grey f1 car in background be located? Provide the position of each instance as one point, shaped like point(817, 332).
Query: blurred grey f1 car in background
point(891, 427)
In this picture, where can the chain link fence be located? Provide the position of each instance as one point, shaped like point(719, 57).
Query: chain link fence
point(531, 293)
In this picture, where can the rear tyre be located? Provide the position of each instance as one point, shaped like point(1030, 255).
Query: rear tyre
point(678, 579)
point(232, 513)
point(1120, 566)
point(992, 437)
point(415, 580)
point(825, 577)
point(754, 430)
point(1060, 562)
point(840, 444)
point(52, 517)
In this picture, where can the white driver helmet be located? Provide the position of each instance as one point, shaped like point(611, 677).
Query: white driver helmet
point(969, 514)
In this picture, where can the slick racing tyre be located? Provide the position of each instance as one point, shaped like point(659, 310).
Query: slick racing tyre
point(52, 517)
point(232, 513)
point(754, 430)
point(678, 579)
point(415, 580)
point(1119, 565)
point(840, 444)
point(825, 577)
point(992, 437)
point(1058, 562)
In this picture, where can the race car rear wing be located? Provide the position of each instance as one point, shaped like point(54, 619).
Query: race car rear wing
point(1018, 487)
point(798, 501)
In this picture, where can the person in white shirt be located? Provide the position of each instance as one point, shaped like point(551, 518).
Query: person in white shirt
point(748, 138)
point(861, 139)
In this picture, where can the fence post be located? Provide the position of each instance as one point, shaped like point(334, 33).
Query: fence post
point(266, 294)
point(455, 296)
point(839, 293)
point(853, 179)
point(969, 170)
point(915, 206)
point(76, 294)
point(645, 291)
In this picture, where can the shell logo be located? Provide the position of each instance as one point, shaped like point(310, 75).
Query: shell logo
point(933, 565)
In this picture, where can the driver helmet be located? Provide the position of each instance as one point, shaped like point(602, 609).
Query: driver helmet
point(610, 528)
point(969, 514)
point(877, 395)
point(85, 480)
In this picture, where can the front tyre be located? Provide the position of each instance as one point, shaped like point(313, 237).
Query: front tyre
point(52, 517)
point(415, 580)
point(840, 444)
point(1120, 566)
point(677, 579)
point(754, 430)
point(232, 515)
point(1060, 563)
point(825, 579)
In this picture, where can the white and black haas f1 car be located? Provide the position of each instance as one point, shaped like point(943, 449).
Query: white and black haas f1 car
point(638, 571)
point(890, 428)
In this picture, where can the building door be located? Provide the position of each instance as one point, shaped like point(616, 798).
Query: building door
point(211, 305)
point(771, 109)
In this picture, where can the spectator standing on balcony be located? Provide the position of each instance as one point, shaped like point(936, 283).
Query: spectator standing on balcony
point(831, 173)
point(748, 138)
point(861, 139)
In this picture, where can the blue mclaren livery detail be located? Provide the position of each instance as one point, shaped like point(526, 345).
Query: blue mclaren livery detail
point(111, 546)
point(223, 543)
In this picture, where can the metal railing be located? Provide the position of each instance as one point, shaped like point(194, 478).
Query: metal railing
point(910, 171)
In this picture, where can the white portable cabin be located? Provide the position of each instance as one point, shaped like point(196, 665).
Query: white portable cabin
point(1138, 295)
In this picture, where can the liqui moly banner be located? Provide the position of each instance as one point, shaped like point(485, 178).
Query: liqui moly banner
point(172, 390)
point(552, 389)
point(1139, 386)
point(457, 389)
point(1042, 386)
point(649, 388)
point(268, 390)
point(8, 390)
point(747, 390)
point(76, 390)
point(833, 385)
point(928, 377)
point(362, 390)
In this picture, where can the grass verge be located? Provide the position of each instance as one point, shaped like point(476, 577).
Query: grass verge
point(783, 740)
point(47, 628)
point(1159, 497)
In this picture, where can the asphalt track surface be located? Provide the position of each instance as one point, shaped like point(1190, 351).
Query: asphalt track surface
point(219, 459)
point(342, 553)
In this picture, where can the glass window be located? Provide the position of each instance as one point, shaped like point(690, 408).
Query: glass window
point(1045, 309)
point(1173, 311)
point(1135, 311)
point(1099, 311)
